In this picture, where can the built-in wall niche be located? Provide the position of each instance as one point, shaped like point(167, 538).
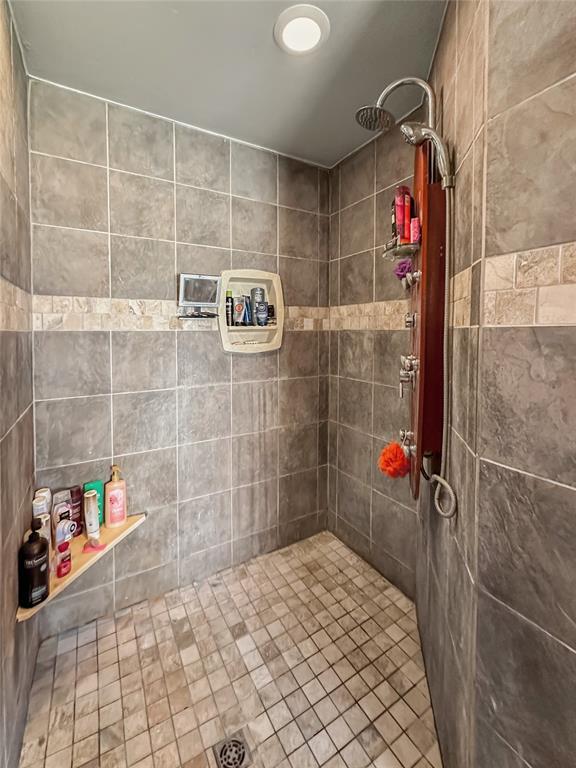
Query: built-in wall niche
point(252, 338)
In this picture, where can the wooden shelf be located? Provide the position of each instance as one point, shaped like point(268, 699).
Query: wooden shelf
point(81, 561)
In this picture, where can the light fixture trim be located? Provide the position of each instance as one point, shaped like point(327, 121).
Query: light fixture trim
point(299, 39)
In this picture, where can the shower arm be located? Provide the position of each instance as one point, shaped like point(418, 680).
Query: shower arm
point(431, 98)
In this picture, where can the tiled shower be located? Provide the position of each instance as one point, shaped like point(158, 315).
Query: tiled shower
point(281, 585)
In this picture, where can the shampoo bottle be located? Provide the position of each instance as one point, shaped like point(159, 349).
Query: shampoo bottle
point(115, 500)
point(33, 569)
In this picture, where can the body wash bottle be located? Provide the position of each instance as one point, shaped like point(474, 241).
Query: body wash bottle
point(115, 500)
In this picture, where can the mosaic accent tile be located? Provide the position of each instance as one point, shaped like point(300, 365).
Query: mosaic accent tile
point(303, 649)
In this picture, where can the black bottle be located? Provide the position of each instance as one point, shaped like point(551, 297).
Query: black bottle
point(33, 570)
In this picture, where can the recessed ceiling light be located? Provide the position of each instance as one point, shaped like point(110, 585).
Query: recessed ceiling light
point(301, 29)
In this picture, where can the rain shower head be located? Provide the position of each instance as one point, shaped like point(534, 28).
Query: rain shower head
point(418, 133)
point(374, 118)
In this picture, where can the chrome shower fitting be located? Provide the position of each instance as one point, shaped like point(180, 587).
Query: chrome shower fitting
point(375, 118)
point(418, 133)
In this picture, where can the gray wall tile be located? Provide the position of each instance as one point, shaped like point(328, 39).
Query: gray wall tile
point(66, 123)
point(204, 468)
point(140, 143)
point(518, 144)
point(143, 360)
point(146, 585)
point(354, 454)
point(71, 363)
point(355, 350)
point(254, 173)
point(15, 376)
point(357, 176)
point(516, 406)
point(298, 355)
point(67, 193)
point(203, 217)
point(254, 406)
point(142, 269)
point(151, 545)
point(297, 184)
point(254, 457)
point(253, 226)
point(299, 281)
point(357, 227)
point(254, 508)
point(141, 206)
point(357, 278)
point(144, 421)
point(394, 528)
point(298, 401)
point(68, 431)
point(247, 260)
point(391, 413)
point(394, 160)
point(523, 676)
point(525, 546)
point(202, 564)
point(150, 479)
point(201, 359)
point(204, 523)
point(298, 448)
point(254, 545)
point(203, 413)
point(354, 503)
point(521, 66)
point(298, 233)
point(202, 159)
point(70, 262)
point(355, 404)
point(200, 259)
point(298, 495)
point(265, 366)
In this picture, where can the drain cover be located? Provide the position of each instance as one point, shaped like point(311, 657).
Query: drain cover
point(232, 752)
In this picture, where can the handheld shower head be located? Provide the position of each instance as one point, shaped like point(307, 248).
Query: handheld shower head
point(418, 133)
point(374, 118)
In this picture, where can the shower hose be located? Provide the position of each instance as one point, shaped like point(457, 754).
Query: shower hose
point(446, 507)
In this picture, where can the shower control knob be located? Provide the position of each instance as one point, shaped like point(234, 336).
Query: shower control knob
point(409, 362)
point(410, 320)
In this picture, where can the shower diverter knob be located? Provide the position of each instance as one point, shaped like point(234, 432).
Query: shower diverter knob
point(409, 362)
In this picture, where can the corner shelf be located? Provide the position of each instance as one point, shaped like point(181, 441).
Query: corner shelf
point(400, 251)
point(82, 561)
point(250, 339)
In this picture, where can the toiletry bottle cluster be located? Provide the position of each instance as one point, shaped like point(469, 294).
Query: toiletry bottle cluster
point(405, 226)
point(59, 517)
point(249, 310)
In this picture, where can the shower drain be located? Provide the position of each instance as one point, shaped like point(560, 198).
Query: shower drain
point(232, 752)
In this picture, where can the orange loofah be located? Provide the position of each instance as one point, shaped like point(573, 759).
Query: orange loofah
point(393, 462)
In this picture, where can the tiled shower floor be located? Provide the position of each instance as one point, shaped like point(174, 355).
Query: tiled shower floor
point(308, 650)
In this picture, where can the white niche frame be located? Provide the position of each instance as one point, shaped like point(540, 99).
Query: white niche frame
point(248, 340)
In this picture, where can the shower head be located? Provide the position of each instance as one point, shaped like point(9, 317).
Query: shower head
point(418, 133)
point(374, 118)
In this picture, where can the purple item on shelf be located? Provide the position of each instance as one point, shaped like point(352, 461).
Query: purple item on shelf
point(402, 268)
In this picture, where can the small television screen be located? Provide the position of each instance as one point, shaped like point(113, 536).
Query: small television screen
point(199, 290)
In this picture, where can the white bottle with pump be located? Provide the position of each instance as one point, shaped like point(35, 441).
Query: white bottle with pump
point(115, 500)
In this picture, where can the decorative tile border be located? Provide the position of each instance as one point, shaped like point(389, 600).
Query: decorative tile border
point(85, 313)
point(377, 316)
point(15, 307)
point(536, 287)
point(461, 298)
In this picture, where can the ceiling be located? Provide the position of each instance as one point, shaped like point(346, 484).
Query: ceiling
point(214, 63)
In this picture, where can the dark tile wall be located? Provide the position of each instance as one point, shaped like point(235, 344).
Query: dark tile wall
point(226, 453)
point(493, 587)
point(494, 597)
point(18, 642)
point(374, 515)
